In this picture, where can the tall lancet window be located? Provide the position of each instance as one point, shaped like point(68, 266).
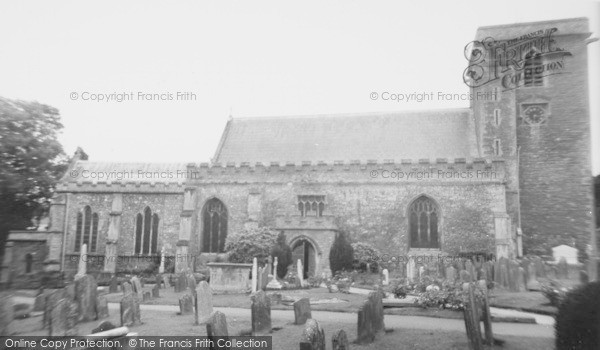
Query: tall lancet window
point(86, 230)
point(146, 232)
point(214, 226)
point(424, 223)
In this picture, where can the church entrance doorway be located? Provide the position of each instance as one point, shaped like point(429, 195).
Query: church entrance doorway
point(305, 251)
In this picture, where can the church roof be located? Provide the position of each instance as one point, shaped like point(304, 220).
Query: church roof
point(347, 137)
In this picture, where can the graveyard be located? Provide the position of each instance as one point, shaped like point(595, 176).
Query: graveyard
point(470, 303)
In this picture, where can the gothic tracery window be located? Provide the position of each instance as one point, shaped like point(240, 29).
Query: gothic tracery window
point(424, 223)
point(214, 228)
point(311, 205)
point(146, 232)
point(86, 230)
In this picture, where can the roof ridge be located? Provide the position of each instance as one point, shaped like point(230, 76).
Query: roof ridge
point(356, 114)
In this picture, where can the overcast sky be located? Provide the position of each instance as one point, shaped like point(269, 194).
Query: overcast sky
point(242, 58)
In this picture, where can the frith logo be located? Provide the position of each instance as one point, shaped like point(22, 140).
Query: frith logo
point(522, 61)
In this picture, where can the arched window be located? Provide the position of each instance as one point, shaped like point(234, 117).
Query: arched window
point(146, 232)
point(214, 228)
point(28, 262)
point(423, 223)
point(534, 69)
point(87, 230)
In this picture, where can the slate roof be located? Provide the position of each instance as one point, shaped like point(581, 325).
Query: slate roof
point(347, 137)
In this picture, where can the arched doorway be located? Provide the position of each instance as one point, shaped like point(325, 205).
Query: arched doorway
point(304, 250)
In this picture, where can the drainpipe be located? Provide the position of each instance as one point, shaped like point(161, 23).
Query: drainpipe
point(64, 236)
point(519, 231)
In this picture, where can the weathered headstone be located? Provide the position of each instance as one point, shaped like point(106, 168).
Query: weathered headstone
point(300, 273)
point(465, 276)
point(254, 275)
point(40, 301)
point(161, 267)
point(339, 340)
point(180, 283)
point(562, 267)
point(313, 337)
point(274, 283)
point(386, 277)
point(470, 269)
point(158, 279)
point(302, 311)
point(52, 297)
point(521, 280)
point(63, 318)
point(147, 296)
point(472, 318)
point(82, 262)
point(451, 274)
point(540, 267)
point(261, 313)
point(137, 287)
point(130, 310)
point(127, 288)
point(503, 275)
point(532, 282)
point(191, 283)
point(113, 284)
point(370, 319)
point(203, 302)
point(156, 291)
point(186, 305)
point(216, 325)
point(101, 307)
point(410, 270)
point(167, 281)
point(85, 297)
point(6, 313)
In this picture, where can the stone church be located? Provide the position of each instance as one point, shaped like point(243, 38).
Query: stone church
point(510, 173)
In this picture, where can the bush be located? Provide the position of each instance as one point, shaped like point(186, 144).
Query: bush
point(364, 254)
point(251, 243)
point(578, 319)
point(283, 252)
point(341, 254)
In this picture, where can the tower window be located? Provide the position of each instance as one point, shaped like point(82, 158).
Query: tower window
point(146, 232)
point(534, 69)
point(86, 230)
point(497, 116)
point(311, 205)
point(497, 147)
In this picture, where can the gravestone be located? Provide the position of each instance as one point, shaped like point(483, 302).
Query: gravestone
point(386, 277)
point(513, 276)
point(191, 283)
point(147, 296)
point(532, 282)
point(6, 313)
point(254, 275)
point(161, 267)
point(521, 281)
point(137, 287)
point(472, 318)
point(40, 301)
point(503, 275)
point(216, 325)
point(451, 274)
point(158, 280)
point(410, 270)
point(562, 269)
point(63, 318)
point(113, 285)
point(540, 267)
point(103, 327)
point(167, 281)
point(313, 337)
point(339, 340)
point(583, 277)
point(156, 291)
point(299, 273)
point(203, 302)
point(127, 288)
point(470, 268)
point(82, 262)
point(52, 297)
point(370, 318)
point(488, 268)
point(568, 253)
point(180, 283)
point(465, 276)
point(101, 307)
point(497, 274)
point(85, 297)
point(302, 311)
point(186, 305)
point(274, 283)
point(130, 310)
point(261, 313)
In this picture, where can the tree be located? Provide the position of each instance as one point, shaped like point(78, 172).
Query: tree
point(251, 243)
point(341, 254)
point(283, 252)
point(31, 162)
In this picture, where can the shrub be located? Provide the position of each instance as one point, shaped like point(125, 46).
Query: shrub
point(364, 254)
point(341, 254)
point(578, 319)
point(555, 292)
point(251, 243)
point(283, 252)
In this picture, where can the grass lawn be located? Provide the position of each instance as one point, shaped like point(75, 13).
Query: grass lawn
point(525, 301)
